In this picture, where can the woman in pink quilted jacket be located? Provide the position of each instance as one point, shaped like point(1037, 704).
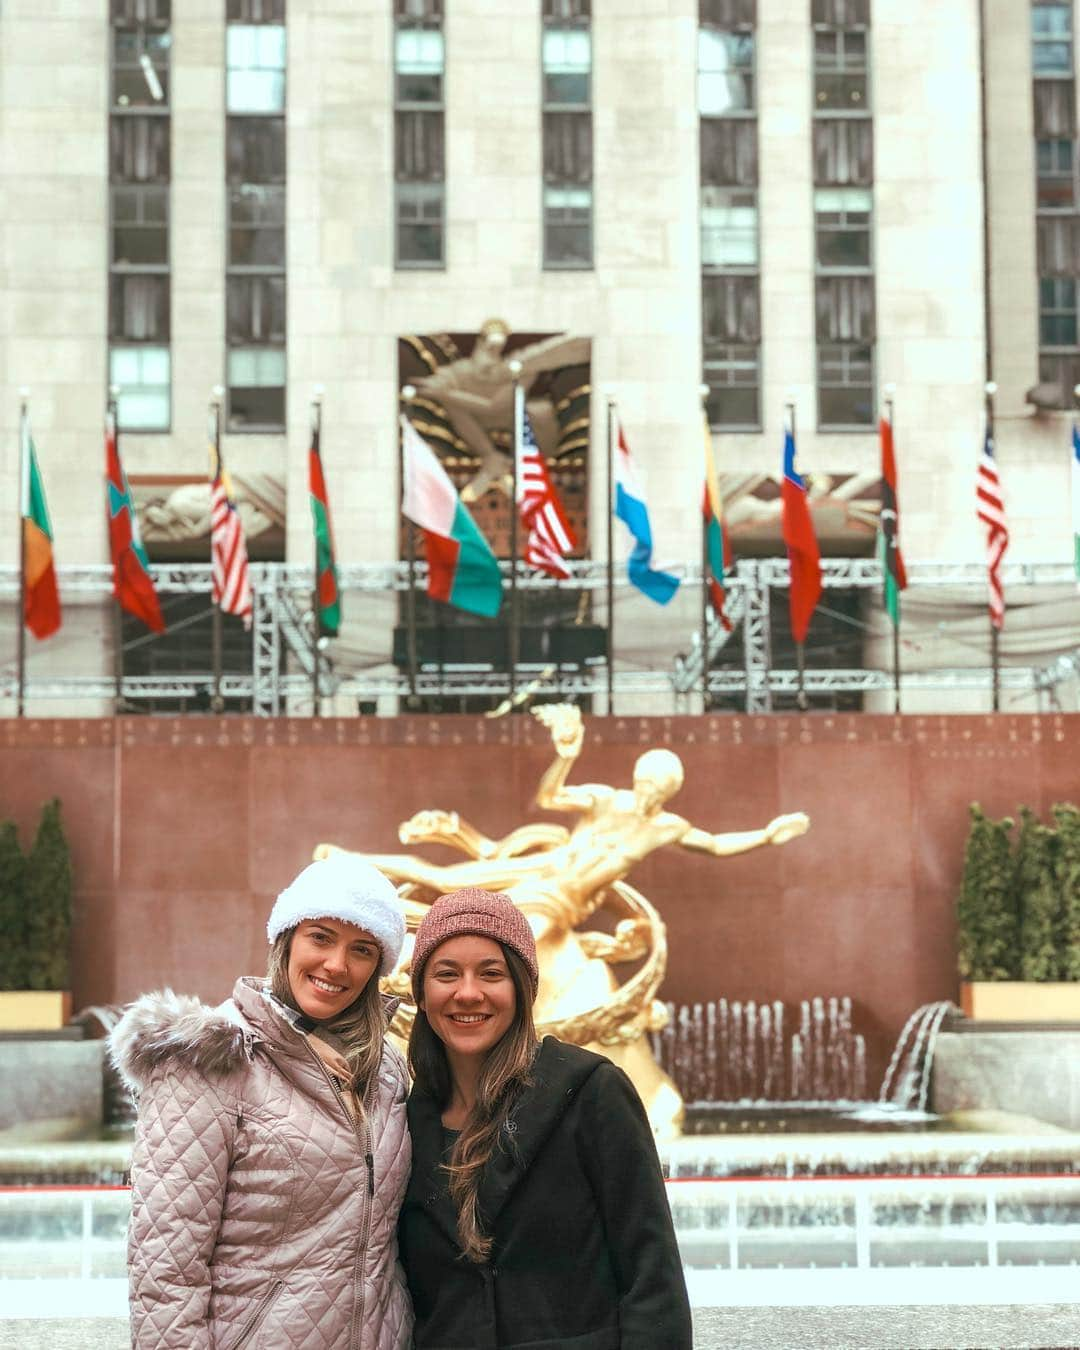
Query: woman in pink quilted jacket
point(271, 1150)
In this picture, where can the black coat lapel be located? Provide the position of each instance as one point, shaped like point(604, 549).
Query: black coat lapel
point(428, 1185)
point(534, 1117)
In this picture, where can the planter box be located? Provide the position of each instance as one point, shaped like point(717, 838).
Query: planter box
point(1021, 1001)
point(50, 1091)
point(34, 1009)
point(1022, 1076)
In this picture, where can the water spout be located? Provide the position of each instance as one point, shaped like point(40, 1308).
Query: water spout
point(907, 1079)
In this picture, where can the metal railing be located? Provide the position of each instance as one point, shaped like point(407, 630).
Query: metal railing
point(283, 628)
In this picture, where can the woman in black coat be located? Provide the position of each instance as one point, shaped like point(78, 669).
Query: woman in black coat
point(536, 1214)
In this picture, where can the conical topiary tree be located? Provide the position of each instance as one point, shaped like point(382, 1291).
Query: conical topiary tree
point(48, 904)
point(1040, 901)
point(986, 908)
point(12, 909)
point(1067, 817)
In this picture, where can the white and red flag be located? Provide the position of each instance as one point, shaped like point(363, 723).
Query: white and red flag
point(550, 537)
point(228, 549)
point(990, 508)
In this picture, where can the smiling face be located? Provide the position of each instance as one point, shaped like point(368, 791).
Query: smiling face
point(330, 962)
point(469, 995)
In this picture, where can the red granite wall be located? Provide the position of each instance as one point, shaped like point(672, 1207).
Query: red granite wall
point(183, 830)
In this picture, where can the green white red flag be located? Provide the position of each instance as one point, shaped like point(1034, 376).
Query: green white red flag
point(132, 584)
point(892, 560)
point(462, 569)
point(41, 596)
point(326, 573)
point(717, 540)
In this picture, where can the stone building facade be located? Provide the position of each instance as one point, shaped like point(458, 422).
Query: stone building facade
point(949, 101)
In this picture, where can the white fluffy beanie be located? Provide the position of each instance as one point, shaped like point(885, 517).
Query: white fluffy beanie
point(344, 887)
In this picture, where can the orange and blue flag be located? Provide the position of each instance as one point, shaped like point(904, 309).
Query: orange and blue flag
point(717, 539)
point(804, 556)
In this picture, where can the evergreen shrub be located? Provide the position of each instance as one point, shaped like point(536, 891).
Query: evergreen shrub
point(1068, 880)
point(1018, 911)
point(48, 905)
point(12, 908)
point(986, 910)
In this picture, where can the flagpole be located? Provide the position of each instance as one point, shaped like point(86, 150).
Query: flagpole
point(610, 556)
point(515, 617)
point(995, 652)
point(217, 703)
point(22, 505)
point(316, 626)
point(1074, 489)
point(890, 418)
point(800, 654)
point(112, 419)
point(408, 393)
point(705, 522)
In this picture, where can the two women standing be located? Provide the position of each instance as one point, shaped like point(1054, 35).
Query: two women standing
point(271, 1157)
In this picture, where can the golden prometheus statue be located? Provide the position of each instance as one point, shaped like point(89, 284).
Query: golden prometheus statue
point(559, 878)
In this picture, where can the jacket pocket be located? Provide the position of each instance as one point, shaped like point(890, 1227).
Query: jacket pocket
point(257, 1318)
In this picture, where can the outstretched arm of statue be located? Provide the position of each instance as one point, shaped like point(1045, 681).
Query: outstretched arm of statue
point(778, 831)
point(564, 722)
point(491, 874)
point(551, 354)
point(446, 827)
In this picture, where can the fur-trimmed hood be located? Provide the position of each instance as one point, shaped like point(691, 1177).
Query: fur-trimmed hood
point(166, 1026)
point(213, 1041)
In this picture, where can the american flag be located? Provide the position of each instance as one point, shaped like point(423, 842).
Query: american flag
point(550, 537)
point(228, 552)
point(990, 508)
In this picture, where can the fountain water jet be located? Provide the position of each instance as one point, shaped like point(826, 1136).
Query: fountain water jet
point(729, 1052)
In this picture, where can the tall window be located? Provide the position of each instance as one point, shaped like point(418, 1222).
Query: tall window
point(419, 134)
point(255, 189)
point(139, 174)
point(1057, 201)
point(843, 214)
point(566, 42)
point(730, 280)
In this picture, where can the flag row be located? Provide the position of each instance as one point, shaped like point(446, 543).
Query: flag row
point(133, 584)
point(462, 568)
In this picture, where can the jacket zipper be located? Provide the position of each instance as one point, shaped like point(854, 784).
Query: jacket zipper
point(363, 1140)
point(365, 1143)
point(252, 1324)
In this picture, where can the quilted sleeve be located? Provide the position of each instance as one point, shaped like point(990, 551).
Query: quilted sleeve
point(619, 1156)
point(180, 1165)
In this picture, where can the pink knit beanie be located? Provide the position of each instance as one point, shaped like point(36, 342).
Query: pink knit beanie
point(487, 914)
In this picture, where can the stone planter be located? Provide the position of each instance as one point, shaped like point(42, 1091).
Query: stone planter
point(1021, 1001)
point(34, 1009)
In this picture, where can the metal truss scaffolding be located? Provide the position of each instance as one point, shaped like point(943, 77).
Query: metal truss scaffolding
point(284, 651)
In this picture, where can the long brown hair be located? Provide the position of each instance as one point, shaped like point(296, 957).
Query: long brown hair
point(505, 1073)
point(360, 1027)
